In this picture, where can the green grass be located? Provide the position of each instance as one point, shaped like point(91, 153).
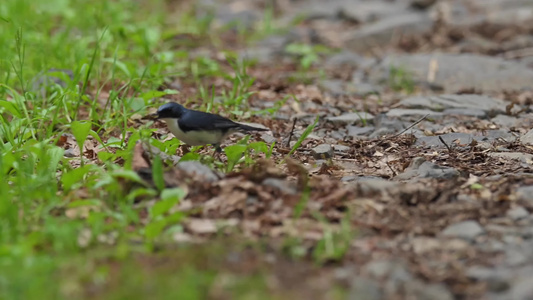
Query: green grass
point(400, 79)
point(69, 227)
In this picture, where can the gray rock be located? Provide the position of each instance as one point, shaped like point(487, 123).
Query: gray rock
point(70, 153)
point(527, 138)
point(516, 256)
point(370, 11)
point(522, 289)
point(349, 178)
point(477, 44)
point(363, 88)
point(275, 41)
point(517, 213)
point(449, 138)
point(351, 118)
point(226, 15)
point(261, 55)
point(380, 132)
point(333, 86)
point(467, 230)
point(322, 151)
point(341, 148)
point(526, 61)
point(268, 138)
point(383, 32)
point(355, 11)
point(459, 139)
point(458, 72)
point(493, 135)
point(525, 193)
point(356, 131)
point(442, 102)
point(480, 273)
point(505, 121)
point(420, 168)
point(522, 157)
point(416, 289)
point(487, 13)
point(282, 185)
point(346, 59)
point(197, 169)
point(403, 112)
point(384, 121)
point(496, 281)
point(478, 113)
point(512, 16)
point(390, 269)
point(374, 186)
point(365, 289)
point(335, 136)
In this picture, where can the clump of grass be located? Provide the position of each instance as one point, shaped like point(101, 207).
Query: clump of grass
point(400, 79)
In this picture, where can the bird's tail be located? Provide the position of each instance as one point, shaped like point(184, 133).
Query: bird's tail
point(251, 128)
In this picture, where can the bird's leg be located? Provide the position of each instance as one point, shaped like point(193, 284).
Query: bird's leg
point(217, 152)
point(185, 149)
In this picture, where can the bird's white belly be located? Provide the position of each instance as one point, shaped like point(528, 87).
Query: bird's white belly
point(194, 137)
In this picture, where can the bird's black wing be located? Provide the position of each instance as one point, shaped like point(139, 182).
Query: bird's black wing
point(202, 121)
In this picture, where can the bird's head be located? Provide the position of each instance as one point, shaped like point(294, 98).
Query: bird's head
point(170, 110)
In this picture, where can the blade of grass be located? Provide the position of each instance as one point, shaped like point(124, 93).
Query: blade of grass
point(304, 135)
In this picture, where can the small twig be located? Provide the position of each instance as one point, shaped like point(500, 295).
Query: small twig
point(292, 130)
point(393, 172)
point(442, 141)
point(410, 126)
point(383, 139)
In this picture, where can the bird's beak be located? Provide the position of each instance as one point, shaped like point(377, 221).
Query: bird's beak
point(153, 116)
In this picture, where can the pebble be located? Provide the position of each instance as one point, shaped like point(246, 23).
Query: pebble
point(407, 112)
point(527, 138)
point(523, 157)
point(341, 148)
point(467, 230)
point(322, 151)
point(451, 139)
point(395, 270)
point(496, 281)
point(351, 118)
point(525, 193)
point(195, 168)
point(523, 288)
point(420, 168)
point(356, 131)
point(517, 213)
point(282, 185)
point(365, 289)
point(70, 153)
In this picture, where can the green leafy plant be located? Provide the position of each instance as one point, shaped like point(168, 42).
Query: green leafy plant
point(160, 217)
point(307, 54)
point(81, 131)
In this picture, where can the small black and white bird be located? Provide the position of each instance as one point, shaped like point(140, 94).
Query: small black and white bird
point(196, 128)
